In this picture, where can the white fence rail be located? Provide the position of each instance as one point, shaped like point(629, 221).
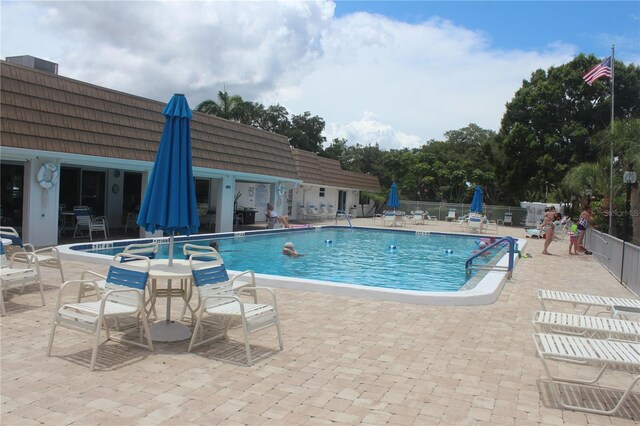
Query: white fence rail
point(620, 258)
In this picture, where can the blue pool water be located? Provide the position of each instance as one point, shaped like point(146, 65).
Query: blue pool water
point(433, 262)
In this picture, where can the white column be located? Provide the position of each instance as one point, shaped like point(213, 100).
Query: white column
point(40, 206)
point(224, 204)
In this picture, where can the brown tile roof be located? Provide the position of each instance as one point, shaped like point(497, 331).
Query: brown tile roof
point(47, 112)
point(324, 171)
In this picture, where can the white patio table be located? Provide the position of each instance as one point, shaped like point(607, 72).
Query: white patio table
point(167, 330)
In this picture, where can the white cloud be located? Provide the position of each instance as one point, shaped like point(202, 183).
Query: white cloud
point(373, 80)
point(368, 130)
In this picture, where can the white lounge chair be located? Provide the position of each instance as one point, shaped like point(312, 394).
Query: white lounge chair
point(601, 353)
point(508, 219)
point(12, 276)
point(589, 300)
point(218, 299)
point(48, 256)
point(429, 217)
point(123, 295)
point(586, 326)
point(451, 215)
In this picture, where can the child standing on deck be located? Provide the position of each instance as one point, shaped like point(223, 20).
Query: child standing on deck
point(573, 239)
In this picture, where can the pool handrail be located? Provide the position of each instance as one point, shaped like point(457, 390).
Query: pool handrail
point(512, 251)
point(344, 214)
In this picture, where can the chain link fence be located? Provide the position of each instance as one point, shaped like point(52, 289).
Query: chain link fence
point(441, 210)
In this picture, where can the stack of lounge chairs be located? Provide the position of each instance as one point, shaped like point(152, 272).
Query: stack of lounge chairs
point(609, 341)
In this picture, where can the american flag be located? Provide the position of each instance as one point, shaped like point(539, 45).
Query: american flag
point(603, 69)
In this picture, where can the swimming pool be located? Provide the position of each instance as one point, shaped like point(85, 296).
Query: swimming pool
point(399, 262)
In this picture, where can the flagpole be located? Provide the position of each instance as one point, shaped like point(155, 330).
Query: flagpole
point(613, 48)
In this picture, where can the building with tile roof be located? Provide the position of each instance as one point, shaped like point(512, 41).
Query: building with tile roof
point(104, 142)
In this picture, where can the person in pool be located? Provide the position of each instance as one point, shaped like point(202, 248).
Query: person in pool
point(289, 250)
point(481, 247)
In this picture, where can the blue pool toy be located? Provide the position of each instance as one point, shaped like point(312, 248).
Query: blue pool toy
point(393, 248)
point(328, 242)
point(448, 251)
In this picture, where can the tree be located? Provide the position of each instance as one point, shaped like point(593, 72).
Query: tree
point(547, 125)
point(596, 175)
point(306, 132)
point(228, 106)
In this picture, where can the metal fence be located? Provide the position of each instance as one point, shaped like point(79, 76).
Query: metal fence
point(441, 210)
point(620, 258)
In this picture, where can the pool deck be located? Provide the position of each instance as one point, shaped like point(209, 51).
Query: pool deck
point(346, 361)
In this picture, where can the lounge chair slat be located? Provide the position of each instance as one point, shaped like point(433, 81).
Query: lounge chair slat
point(574, 324)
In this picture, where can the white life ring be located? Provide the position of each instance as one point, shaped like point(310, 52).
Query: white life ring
point(48, 175)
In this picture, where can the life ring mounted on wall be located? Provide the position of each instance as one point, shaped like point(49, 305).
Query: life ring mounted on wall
point(48, 175)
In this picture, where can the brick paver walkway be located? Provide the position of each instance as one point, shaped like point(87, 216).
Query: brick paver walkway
point(346, 361)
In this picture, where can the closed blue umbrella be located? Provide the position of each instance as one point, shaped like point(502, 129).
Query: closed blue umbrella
point(169, 202)
point(393, 201)
point(476, 203)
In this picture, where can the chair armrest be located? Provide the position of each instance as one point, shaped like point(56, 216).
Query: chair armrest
point(28, 247)
point(255, 290)
point(95, 274)
point(29, 258)
point(71, 283)
point(248, 272)
point(53, 250)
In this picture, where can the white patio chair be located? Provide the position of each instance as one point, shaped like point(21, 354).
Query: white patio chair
point(586, 326)
point(273, 223)
point(389, 219)
point(475, 222)
point(600, 353)
point(312, 212)
point(417, 217)
point(12, 276)
point(123, 295)
point(131, 221)
point(588, 300)
point(148, 250)
point(47, 256)
point(218, 299)
point(84, 220)
point(324, 212)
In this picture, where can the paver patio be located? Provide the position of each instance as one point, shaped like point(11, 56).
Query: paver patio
point(346, 361)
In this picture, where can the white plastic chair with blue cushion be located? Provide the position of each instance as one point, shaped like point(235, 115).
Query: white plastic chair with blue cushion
point(13, 277)
point(84, 219)
point(123, 296)
point(218, 299)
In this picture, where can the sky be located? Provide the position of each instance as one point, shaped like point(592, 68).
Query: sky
point(394, 73)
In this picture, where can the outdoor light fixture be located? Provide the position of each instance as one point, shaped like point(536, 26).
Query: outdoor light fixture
point(629, 179)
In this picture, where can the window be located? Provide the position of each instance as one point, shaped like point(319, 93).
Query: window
point(364, 200)
point(202, 191)
point(321, 192)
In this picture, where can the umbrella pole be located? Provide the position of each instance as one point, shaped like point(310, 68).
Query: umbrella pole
point(169, 283)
